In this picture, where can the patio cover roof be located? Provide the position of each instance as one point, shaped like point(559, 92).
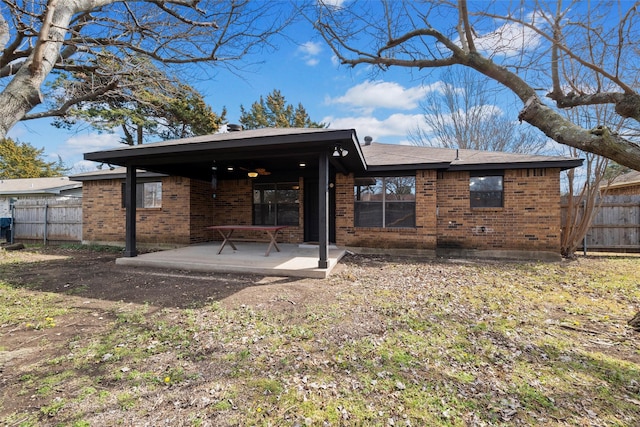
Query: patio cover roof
point(274, 149)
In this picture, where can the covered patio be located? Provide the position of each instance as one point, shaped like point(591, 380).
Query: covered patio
point(292, 260)
point(313, 155)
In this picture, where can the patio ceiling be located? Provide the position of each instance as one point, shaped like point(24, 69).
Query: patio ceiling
point(279, 151)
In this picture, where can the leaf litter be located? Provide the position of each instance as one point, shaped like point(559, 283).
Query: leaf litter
point(386, 341)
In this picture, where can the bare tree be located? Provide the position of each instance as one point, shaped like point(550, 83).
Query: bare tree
point(526, 46)
point(465, 113)
point(587, 186)
point(582, 201)
point(67, 35)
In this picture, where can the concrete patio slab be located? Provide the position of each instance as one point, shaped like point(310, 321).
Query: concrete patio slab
point(292, 261)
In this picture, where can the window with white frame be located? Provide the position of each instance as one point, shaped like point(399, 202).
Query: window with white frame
point(148, 195)
point(385, 201)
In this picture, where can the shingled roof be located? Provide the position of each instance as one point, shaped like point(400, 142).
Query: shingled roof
point(283, 149)
point(394, 157)
point(626, 180)
point(35, 186)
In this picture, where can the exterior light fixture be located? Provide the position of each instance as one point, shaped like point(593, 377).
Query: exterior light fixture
point(338, 151)
point(214, 176)
point(252, 174)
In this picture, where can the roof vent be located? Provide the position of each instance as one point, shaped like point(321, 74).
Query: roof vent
point(234, 128)
point(367, 140)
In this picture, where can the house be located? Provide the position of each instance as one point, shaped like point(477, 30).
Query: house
point(327, 187)
point(627, 184)
point(15, 189)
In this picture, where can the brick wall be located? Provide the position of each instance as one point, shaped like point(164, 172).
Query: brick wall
point(201, 211)
point(528, 221)
point(104, 216)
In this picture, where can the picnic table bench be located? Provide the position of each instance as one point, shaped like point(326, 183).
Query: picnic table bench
point(226, 231)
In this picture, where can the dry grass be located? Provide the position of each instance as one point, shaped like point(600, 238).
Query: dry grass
point(385, 342)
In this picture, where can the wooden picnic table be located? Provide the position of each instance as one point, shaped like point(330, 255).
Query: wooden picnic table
point(226, 232)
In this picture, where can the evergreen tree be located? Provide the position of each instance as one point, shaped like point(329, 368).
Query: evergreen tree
point(146, 102)
point(275, 112)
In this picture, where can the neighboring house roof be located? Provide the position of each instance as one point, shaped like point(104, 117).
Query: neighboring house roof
point(38, 186)
point(628, 179)
point(283, 149)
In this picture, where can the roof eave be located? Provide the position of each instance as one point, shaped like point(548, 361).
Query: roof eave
point(545, 164)
point(407, 167)
point(119, 175)
point(250, 142)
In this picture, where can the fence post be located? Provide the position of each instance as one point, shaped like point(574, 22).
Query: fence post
point(46, 212)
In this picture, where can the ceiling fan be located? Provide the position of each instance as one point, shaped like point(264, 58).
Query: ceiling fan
point(255, 172)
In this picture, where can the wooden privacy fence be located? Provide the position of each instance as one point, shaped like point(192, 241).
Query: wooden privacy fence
point(616, 225)
point(48, 220)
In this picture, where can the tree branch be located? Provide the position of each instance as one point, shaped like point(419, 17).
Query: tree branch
point(464, 17)
point(43, 37)
point(64, 108)
point(567, 51)
point(184, 19)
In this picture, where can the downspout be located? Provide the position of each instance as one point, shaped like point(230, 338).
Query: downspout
point(130, 204)
point(323, 206)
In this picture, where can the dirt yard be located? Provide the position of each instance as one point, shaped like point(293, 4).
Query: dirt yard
point(94, 275)
point(381, 342)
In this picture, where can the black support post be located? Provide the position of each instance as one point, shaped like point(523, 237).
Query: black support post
point(130, 204)
point(323, 206)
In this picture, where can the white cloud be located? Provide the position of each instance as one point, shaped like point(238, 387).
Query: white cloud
point(509, 39)
point(309, 52)
point(370, 95)
point(395, 127)
point(310, 48)
point(80, 144)
point(335, 4)
point(83, 166)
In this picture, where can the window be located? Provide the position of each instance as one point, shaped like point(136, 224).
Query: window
point(148, 195)
point(486, 191)
point(276, 203)
point(385, 202)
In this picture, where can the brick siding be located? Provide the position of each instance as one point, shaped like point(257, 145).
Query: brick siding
point(186, 205)
point(528, 221)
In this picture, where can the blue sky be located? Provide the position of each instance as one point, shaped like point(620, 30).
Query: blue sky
point(383, 105)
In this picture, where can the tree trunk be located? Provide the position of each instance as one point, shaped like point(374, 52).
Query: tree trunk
point(23, 92)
